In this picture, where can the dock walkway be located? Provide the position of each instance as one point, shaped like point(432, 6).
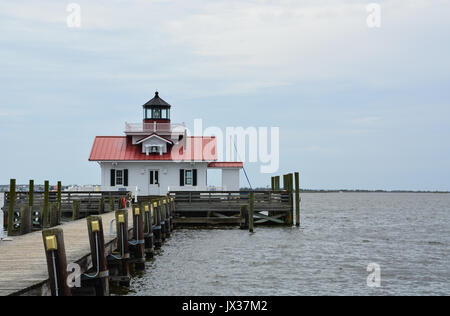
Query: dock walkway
point(23, 264)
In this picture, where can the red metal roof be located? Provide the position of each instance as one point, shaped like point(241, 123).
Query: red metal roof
point(225, 165)
point(117, 148)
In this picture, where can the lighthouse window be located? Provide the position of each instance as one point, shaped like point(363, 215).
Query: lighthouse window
point(156, 113)
point(188, 177)
point(165, 114)
point(119, 177)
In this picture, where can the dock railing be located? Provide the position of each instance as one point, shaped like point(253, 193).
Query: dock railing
point(206, 207)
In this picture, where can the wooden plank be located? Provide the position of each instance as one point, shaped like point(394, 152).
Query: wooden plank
point(207, 220)
point(268, 218)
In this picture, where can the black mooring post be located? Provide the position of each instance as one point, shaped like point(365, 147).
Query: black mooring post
point(167, 218)
point(118, 262)
point(138, 243)
point(56, 261)
point(98, 276)
point(148, 229)
point(163, 220)
point(157, 228)
point(172, 213)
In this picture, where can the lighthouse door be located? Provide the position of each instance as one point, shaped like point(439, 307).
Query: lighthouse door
point(154, 187)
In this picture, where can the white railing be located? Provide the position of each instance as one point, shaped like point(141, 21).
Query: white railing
point(154, 127)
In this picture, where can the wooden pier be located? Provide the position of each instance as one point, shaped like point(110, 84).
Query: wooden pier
point(23, 265)
point(225, 208)
point(37, 262)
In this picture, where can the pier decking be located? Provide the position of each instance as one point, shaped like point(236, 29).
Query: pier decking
point(23, 265)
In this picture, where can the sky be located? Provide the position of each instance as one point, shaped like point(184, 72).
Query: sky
point(357, 107)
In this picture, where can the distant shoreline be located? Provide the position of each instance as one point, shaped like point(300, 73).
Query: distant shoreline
point(5, 188)
point(355, 191)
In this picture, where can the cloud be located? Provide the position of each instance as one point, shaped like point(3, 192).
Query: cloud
point(369, 120)
point(240, 46)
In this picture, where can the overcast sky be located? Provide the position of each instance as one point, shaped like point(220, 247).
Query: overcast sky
point(357, 107)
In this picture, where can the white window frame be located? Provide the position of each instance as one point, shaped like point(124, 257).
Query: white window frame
point(121, 177)
point(186, 177)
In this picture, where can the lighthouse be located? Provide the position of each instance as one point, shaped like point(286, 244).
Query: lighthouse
point(157, 156)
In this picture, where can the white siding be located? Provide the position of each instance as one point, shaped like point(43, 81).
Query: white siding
point(169, 176)
point(230, 179)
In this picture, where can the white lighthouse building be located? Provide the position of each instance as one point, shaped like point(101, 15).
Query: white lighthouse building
point(156, 156)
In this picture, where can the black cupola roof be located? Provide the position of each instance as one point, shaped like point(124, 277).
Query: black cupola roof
point(156, 102)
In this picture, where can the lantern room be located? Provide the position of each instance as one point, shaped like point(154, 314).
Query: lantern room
point(156, 110)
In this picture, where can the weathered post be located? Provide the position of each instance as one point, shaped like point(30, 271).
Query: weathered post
point(244, 217)
point(138, 244)
point(167, 218)
point(251, 212)
point(172, 213)
point(45, 217)
point(98, 276)
point(297, 199)
point(111, 204)
point(25, 220)
point(118, 261)
point(53, 214)
point(59, 201)
point(56, 261)
point(101, 206)
point(162, 215)
point(76, 204)
point(31, 194)
point(11, 201)
point(148, 230)
point(288, 186)
point(157, 228)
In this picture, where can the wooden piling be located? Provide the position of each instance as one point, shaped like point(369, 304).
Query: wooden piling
point(244, 217)
point(167, 217)
point(138, 244)
point(290, 186)
point(162, 216)
point(119, 260)
point(148, 229)
point(53, 214)
point(98, 276)
point(172, 213)
point(26, 224)
point(101, 206)
point(45, 215)
point(251, 212)
point(56, 261)
point(111, 204)
point(11, 200)
point(58, 197)
point(157, 229)
point(76, 205)
point(31, 194)
point(122, 232)
point(297, 199)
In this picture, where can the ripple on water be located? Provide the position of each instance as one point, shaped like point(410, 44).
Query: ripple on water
point(340, 235)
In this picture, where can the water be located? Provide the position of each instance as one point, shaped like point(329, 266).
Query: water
point(408, 235)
